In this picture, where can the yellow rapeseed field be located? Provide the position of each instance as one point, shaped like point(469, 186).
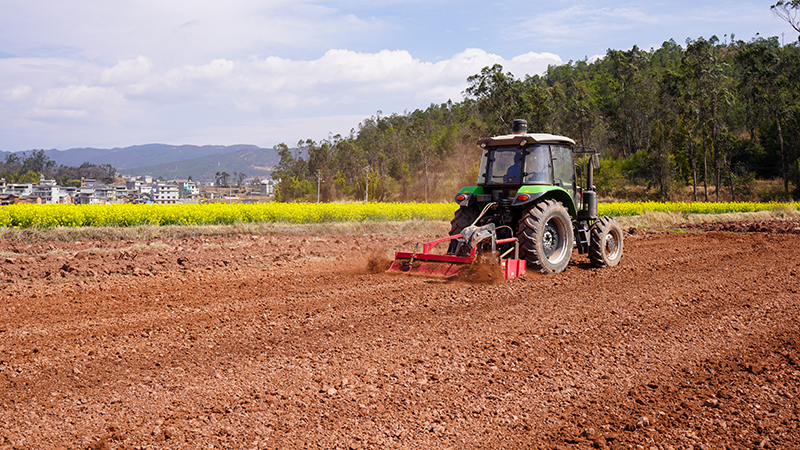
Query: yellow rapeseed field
point(623, 209)
point(130, 215)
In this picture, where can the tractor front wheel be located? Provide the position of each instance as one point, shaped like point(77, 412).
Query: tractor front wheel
point(545, 237)
point(605, 242)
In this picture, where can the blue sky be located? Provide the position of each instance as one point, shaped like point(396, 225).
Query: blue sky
point(94, 73)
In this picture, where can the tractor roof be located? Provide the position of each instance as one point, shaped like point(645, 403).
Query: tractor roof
point(530, 138)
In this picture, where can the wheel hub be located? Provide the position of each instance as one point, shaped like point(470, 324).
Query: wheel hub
point(550, 240)
point(611, 245)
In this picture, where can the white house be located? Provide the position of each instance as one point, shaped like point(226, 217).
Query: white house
point(19, 189)
point(189, 189)
point(50, 194)
point(268, 187)
point(165, 194)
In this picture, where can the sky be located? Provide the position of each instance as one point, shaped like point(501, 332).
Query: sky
point(103, 74)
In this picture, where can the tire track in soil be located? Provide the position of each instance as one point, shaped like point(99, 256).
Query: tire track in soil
point(258, 342)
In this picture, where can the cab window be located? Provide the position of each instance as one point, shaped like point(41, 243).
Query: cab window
point(504, 166)
point(563, 167)
point(538, 166)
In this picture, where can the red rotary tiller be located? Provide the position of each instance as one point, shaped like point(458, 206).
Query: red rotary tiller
point(479, 241)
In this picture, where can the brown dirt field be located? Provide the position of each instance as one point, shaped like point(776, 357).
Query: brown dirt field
point(259, 342)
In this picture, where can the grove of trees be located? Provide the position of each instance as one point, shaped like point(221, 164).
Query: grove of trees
point(704, 120)
point(28, 167)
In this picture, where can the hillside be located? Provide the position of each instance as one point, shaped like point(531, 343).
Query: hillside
point(172, 161)
point(139, 155)
point(253, 161)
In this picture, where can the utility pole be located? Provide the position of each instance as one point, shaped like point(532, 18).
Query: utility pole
point(366, 189)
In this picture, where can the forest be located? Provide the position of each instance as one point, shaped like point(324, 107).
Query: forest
point(710, 120)
point(28, 167)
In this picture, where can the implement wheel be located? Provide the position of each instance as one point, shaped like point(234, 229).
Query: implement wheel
point(605, 242)
point(463, 218)
point(545, 237)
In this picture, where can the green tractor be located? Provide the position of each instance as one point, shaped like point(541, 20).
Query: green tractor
point(528, 188)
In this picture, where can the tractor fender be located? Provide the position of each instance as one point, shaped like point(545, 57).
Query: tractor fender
point(527, 195)
point(468, 196)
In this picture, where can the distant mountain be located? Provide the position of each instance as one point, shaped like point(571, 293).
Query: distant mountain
point(139, 155)
point(173, 161)
point(253, 162)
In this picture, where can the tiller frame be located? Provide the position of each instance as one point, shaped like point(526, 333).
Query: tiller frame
point(449, 266)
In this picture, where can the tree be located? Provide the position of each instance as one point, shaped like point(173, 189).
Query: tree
point(37, 162)
point(501, 98)
point(764, 78)
point(661, 166)
point(704, 81)
point(13, 158)
point(289, 165)
point(788, 10)
point(322, 165)
point(627, 91)
point(291, 170)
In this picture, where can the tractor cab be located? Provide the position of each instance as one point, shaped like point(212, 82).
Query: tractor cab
point(534, 162)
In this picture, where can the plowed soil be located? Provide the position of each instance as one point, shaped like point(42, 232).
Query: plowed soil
point(260, 342)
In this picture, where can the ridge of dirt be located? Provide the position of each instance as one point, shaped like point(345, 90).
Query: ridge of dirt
point(294, 342)
point(760, 226)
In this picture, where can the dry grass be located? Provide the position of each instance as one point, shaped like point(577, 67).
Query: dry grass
point(666, 220)
point(150, 232)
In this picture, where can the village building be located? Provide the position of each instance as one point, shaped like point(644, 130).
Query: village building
point(268, 187)
point(165, 194)
point(189, 189)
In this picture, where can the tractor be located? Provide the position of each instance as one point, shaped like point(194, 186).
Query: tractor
point(529, 188)
point(531, 198)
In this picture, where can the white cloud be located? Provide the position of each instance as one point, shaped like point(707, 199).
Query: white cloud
point(243, 96)
point(594, 58)
point(290, 130)
point(580, 22)
point(99, 104)
point(587, 28)
point(16, 93)
point(128, 71)
point(339, 77)
point(177, 31)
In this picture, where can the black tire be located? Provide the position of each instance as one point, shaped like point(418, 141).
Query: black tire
point(545, 237)
point(464, 217)
point(605, 242)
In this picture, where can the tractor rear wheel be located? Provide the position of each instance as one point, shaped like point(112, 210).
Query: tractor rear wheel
point(545, 237)
point(605, 242)
point(464, 217)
